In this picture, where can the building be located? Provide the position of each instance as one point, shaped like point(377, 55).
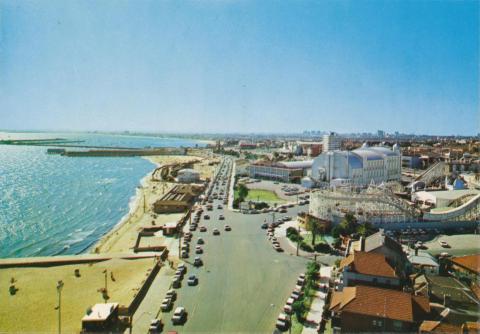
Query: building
point(101, 318)
point(466, 268)
point(423, 262)
point(361, 166)
point(369, 309)
point(179, 199)
point(188, 176)
point(241, 167)
point(380, 243)
point(286, 171)
point(368, 269)
point(331, 142)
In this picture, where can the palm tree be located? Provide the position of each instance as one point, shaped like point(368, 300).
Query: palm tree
point(312, 225)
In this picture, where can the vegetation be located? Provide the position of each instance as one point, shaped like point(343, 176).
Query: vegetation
point(349, 226)
point(241, 192)
point(262, 195)
point(312, 225)
point(302, 305)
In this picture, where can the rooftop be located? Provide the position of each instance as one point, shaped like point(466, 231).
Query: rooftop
point(470, 262)
point(100, 312)
point(373, 264)
point(383, 303)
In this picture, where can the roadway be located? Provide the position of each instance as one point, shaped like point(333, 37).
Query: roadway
point(244, 282)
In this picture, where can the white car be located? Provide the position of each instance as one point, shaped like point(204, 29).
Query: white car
point(179, 315)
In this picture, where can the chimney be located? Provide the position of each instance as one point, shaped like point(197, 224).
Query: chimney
point(362, 244)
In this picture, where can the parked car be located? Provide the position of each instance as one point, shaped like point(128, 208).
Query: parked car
point(221, 217)
point(216, 231)
point(277, 248)
point(156, 326)
point(197, 262)
point(219, 207)
point(203, 229)
point(198, 250)
point(176, 283)
point(192, 280)
point(200, 241)
point(166, 304)
point(179, 316)
point(171, 294)
point(184, 255)
point(228, 228)
point(206, 217)
point(264, 226)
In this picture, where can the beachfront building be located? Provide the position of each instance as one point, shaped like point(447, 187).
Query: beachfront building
point(179, 199)
point(361, 166)
point(101, 318)
point(188, 175)
point(286, 171)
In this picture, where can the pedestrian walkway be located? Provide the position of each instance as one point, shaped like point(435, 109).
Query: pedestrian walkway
point(314, 316)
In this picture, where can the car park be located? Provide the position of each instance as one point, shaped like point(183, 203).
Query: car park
point(179, 316)
point(192, 280)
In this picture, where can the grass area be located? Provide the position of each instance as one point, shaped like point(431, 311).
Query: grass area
point(32, 308)
point(263, 196)
point(319, 239)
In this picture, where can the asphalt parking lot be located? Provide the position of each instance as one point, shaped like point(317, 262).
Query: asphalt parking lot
point(243, 283)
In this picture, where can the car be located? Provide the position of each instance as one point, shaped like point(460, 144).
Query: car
point(219, 207)
point(179, 316)
point(179, 273)
point(216, 231)
point(176, 283)
point(444, 244)
point(171, 294)
point(200, 241)
point(156, 326)
point(203, 229)
point(206, 217)
point(264, 226)
point(282, 210)
point(197, 262)
point(198, 250)
point(184, 255)
point(192, 227)
point(228, 228)
point(277, 248)
point(221, 217)
point(166, 304)
point(192, 280)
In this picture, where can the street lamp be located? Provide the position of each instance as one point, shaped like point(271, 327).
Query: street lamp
point(59, 292)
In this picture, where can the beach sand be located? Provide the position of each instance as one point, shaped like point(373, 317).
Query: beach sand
point(123, 237)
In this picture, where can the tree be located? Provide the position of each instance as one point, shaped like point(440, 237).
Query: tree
point(242, 191)
point(312, 225)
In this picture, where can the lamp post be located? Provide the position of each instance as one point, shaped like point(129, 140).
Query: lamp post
point(59, 292)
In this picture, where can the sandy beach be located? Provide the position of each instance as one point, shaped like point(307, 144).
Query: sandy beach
point(121, 239)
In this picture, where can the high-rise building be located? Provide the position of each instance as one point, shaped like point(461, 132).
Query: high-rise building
point(331, 142)
point(380, 133)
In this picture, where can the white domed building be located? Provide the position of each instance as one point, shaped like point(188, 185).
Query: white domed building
point(361, 166)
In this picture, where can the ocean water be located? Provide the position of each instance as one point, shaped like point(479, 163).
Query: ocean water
point(52, 205)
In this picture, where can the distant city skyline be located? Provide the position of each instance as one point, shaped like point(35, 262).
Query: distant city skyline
point(240, 66)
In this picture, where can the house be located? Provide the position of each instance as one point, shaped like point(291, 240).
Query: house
point(423, 262)
point(100, 318)
point(368, 269)
point(369, 309)
point(466, 267)
point(381, 243)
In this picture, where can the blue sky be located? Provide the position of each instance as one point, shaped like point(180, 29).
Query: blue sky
point(243, 66)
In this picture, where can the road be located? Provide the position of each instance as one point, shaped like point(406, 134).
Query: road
point(244, 282)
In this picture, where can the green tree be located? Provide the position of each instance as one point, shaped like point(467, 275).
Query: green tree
point(312, 225)
point(242, 191)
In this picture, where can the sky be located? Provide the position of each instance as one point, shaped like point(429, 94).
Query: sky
point(240, 66)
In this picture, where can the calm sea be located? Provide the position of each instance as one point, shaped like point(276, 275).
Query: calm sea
point(51, 205)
